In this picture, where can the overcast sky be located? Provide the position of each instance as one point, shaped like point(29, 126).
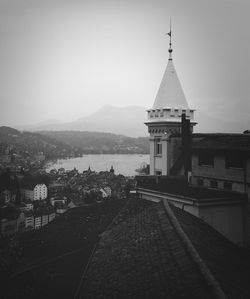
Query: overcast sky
point(65, 59)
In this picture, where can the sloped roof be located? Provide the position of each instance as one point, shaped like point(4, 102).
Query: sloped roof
point(170, 93)
point(29, 182)
point(223, 142)
point(142, 256)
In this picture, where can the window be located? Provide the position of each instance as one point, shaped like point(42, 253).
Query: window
point(206, 158)
point(200, 182)
point(158, 149)
point(227, 186)
point(234, 161)
point(213, 184)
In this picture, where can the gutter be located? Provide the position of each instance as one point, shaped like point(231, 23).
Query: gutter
point(190, 201)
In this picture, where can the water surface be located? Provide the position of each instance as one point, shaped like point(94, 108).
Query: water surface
point(123, 164)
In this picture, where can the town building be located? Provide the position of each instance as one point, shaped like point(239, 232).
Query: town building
point(11, 220)
point(8, 226)
point(108, 191)
point(37, 220)
point(29, 222)
point(33, 190)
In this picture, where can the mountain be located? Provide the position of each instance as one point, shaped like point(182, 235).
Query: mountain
point(128, 121)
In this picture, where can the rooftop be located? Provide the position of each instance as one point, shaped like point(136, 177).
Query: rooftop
point(143, 255)
point(29, 182)
point(179, 187)
point(239, 142)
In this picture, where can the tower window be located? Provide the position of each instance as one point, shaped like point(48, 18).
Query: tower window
point(158, 145)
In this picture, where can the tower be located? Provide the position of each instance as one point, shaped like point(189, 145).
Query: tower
point(164, 118)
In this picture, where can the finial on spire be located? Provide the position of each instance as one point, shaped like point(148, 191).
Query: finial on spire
point(170, 50)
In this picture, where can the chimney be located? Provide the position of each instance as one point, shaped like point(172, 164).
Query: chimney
point(186, 143)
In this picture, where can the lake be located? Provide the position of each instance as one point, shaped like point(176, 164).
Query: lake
point(123, 164)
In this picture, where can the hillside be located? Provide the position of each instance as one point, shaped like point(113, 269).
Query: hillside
point(96, 142)
point(27, 144)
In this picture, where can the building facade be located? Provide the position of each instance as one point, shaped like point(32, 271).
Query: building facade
point(35, 192)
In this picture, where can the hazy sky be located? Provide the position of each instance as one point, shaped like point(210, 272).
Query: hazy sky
point(65, 59)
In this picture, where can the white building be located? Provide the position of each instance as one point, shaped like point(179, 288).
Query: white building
point(29, 222)
point(34, 192)
point(37, 221)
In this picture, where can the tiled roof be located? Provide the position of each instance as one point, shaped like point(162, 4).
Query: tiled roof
point(222, 142)
point(229, 263)
point(29, 182)
point(142, 256)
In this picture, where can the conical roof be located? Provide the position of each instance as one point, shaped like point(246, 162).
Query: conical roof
point(170, 93)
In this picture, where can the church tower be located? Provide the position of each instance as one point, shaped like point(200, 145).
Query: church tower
point(164, 118)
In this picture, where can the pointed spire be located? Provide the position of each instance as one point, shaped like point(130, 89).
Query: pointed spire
point(170, 93)
point(170, 50)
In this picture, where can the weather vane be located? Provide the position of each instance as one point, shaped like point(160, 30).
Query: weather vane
point(170, 50)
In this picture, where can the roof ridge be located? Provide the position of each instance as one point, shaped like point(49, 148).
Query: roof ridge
point(206, 273)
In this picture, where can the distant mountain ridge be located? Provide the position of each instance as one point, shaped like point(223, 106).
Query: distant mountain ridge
point(128, 121)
